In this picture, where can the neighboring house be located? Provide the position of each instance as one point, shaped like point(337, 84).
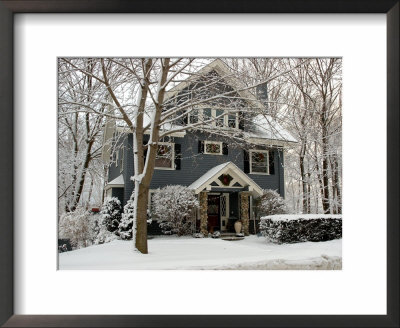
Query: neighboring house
point(226, 176)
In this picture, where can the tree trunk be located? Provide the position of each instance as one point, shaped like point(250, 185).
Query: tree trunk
point(335, 185)
point(144, 182)
point(90, 189)
point(81, 182)
point(325, 178)
point(303, 178)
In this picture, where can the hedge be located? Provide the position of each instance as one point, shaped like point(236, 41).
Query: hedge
point(300, 228)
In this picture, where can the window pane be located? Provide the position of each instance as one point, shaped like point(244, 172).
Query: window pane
point(232, 121)
point(207, 114)
point(164, 156)
point(220, 120)
point(194, 116)
point(259, 162)
point(213, 148)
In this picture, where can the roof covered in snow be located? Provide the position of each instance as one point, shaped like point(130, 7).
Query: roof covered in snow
point(265, 127)
point(117, 182)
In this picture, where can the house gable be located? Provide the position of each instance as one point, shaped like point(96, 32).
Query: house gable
point(226, 175)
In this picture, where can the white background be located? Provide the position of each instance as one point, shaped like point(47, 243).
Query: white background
point(360, 288)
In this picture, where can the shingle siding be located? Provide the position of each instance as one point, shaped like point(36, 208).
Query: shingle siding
point(195, 164)
point(118, 192)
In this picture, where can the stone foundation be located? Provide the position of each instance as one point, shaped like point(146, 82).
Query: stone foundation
point(203, 199)
point(244, 211)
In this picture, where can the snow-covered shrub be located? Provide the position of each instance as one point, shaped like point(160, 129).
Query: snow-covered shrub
point(78, 227)
point(108, 221)
point(216, 234)
point(174, 207)
point(271, 203)
point(198, 235)
point(126, 224)
point(105, 236)
point(111, 214)
point(300, 228)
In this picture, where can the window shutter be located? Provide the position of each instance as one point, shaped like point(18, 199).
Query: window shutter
point(241, 121)
point(178, 156)
point(271, 162)
point(224, 148)
point(246, 161)
point(144, 155)
point(144, 152)
point(201, 146)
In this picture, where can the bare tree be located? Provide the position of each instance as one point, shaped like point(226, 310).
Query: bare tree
point(80, 130)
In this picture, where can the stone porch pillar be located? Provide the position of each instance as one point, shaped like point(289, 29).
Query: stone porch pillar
point(244, 211)
point(203, 199)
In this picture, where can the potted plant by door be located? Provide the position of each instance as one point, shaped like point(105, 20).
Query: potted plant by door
point(238, 226)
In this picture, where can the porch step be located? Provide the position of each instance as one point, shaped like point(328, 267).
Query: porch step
point(227, 234)
point(232, 238)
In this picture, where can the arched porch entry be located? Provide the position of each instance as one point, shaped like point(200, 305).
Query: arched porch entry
point(224, 194)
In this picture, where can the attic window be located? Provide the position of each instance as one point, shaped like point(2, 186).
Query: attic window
point(219, 117)
point(232, 121)
point(194, 116)
point(213, 147)
point(165, 156)
point(214, 117)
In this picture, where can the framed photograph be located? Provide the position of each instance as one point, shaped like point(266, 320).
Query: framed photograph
point(258, 125)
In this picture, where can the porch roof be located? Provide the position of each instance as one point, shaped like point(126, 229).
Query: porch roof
point(238, 176)
point(118, 182)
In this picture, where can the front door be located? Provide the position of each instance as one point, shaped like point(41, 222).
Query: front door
point(213, 213)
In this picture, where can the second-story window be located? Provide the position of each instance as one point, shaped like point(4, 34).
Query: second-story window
point(213, 147)
point(259, 161)
point(165, 156)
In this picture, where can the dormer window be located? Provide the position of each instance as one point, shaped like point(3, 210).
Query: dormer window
point(219, 118)
point(214, 117)
point(193, 116)
point(233, 121)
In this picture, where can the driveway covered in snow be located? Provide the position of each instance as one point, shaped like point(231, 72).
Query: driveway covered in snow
point(170, 252)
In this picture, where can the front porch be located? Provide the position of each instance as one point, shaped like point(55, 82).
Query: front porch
point(226, 195)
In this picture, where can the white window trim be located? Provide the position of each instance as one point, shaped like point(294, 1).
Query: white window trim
point(172, 156)
point(251, 161)
point(213, 142)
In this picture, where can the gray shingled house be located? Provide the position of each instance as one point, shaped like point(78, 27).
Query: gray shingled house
point(227, 176)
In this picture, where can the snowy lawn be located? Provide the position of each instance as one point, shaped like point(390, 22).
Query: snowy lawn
point(170, 252)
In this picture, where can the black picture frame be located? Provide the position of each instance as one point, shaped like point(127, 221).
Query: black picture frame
point(11, 7)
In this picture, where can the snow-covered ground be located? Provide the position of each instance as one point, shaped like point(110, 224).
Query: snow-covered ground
point(170, 252)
